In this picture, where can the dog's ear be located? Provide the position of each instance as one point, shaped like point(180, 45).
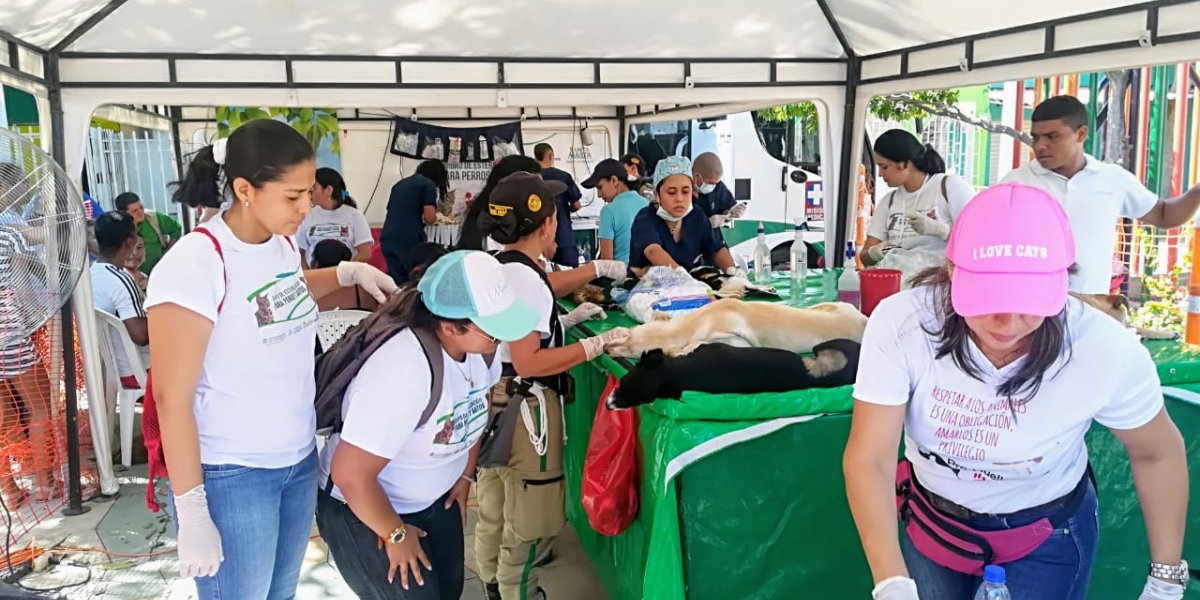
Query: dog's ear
point(652, 358)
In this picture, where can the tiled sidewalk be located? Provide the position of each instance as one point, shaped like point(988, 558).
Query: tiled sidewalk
point(139, 563)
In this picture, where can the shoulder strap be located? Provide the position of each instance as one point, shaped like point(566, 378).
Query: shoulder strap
point(224, 274)
point(944, 196)
point(489, 358)
point(433, 354)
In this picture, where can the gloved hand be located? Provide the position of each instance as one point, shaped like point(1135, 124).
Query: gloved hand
point(596, 345)
point(877, 251)
point(612, 269)
point(199, 545)
point(925, 225)
point(717, 221)
point(1157, 589)
point(375, 282)
point(734, 272)
point(583, 312)
point(895, 588)
point(737, 211)
point(683, 271)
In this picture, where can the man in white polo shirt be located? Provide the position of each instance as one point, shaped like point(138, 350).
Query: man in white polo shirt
point(1094, 193)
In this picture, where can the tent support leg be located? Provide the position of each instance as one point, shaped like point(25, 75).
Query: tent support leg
point(848, 176)
point(189, 216)
point(623, 135)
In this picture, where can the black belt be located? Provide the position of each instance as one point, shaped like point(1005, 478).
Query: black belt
point(961, 512)
point(559, 384)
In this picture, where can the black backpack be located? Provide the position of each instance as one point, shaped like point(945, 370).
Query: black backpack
point(339, 365)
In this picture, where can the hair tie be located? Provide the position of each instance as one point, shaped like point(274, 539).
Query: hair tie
point(345, 194)
point(220, 147)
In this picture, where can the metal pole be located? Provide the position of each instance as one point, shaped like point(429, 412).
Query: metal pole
point(59, 151)
point(849, 176)
point(623, 137)
point(187, 215)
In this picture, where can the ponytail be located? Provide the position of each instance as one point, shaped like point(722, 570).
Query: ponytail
point(259, 152)
point(929, 161)
point(327, 177)
point(200, 187)
point(898, 145)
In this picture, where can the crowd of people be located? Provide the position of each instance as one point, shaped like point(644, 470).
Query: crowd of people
point(993, 335)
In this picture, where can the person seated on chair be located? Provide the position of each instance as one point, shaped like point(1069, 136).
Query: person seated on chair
point(115, 291)
point(672, 234)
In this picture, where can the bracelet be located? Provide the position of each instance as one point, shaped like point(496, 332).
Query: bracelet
point(467, 477)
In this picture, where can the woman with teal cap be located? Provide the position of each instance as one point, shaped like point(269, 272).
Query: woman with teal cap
point(671, 233)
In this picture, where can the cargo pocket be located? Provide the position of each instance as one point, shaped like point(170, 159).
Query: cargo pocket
point(535, 505)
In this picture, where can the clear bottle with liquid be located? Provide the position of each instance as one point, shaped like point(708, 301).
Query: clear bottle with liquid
point(848, 283)
point(799, 263)
point(762, 258)
point(993, 587)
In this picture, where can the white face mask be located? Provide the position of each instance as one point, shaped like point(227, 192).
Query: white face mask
point(670, 218)
point(707, 188)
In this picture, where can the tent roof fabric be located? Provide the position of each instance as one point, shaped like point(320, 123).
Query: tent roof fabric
point(618, 29)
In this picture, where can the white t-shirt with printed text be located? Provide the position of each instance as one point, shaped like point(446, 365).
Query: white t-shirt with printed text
point(344, 224)
point(889, 223)
point(1093, 199)
point(967, 444)
point(383, 405)
point(254, 400)
point(529, 287)
point(115, 292)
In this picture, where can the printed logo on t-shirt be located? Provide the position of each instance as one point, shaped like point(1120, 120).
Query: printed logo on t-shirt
point(461, 428)
point(322, 231)
point(900, 227)
point(967, 429)
point(282, 307)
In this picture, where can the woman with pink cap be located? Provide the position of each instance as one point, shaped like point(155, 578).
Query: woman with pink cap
point(994, 375)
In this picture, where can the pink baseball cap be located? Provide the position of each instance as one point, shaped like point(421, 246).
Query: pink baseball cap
point(1011, 248)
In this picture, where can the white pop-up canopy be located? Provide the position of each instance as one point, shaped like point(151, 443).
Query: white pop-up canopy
point(647, 60)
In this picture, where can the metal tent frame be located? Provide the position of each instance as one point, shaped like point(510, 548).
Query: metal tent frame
point(841, 82)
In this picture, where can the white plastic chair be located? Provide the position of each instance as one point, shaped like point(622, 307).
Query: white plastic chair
point(126, 400)
point(331, 327)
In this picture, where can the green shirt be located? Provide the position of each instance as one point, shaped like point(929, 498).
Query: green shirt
point(169, 227)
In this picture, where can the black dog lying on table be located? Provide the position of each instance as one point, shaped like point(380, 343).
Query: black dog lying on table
point(725, 369)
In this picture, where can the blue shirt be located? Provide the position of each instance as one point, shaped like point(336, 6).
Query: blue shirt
point(565, 235)
point(696, 240)
point(716, 202)
point(404, 225)
point(616, 222)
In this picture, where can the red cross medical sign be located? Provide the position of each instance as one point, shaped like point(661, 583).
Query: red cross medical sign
point(814, 201)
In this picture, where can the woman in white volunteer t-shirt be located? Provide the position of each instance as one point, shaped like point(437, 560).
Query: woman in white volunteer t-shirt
point(233, 322)
point(925, 200)
point(400, 463)
point(334, 216)
point(994, 375)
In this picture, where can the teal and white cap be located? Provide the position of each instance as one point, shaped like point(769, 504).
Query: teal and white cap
point(469, 284)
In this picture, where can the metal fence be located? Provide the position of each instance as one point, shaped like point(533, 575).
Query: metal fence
point(140, 161)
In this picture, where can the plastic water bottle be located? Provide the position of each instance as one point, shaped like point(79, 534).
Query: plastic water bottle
point(993, 587)
point(799, 263)
point(762, 258)
point(848, 283)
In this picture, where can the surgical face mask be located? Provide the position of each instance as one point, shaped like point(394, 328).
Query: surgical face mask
point(707, 188)
point(670, 218)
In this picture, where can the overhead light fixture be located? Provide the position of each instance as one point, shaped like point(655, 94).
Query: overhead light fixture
point(585, 136)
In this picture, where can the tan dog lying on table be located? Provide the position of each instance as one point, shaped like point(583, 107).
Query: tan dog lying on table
point(752, 324)
point(1117, 307)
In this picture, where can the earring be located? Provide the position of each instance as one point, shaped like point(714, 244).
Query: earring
point(245, 204)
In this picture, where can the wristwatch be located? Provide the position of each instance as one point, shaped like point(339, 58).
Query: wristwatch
point(1172, 573)
point(397, 536)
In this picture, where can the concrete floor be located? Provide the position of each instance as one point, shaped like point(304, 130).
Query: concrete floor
point(137, 560)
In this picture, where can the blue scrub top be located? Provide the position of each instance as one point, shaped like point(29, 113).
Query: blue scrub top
point(568, 252)
point(716, 202)
point(616, 222)
point(404, 226)
point(697, 239)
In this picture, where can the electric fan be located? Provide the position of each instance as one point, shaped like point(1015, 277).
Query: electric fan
point(43, 237)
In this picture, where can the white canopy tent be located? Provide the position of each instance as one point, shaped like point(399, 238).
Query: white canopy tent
point(695, 58)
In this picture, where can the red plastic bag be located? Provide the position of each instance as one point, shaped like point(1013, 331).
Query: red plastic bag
point(610, 472)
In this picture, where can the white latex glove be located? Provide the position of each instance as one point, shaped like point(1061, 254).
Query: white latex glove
point(612, 269)
point(925, 225)
point(734, 272)
point(584, 312)
point(895, 588)
point(737, 211)
point(199, 543)
point(595, 346)
point(375, 282)
point(716, 221)
point(877, 251)
point(1157, 589)
point(683, 271)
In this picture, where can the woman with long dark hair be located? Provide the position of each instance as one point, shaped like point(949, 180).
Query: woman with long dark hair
point(334, 216)
point(233, 324)
point(411, 206)
point(925, 200)
point(470, 238)
point(388, 475)
point(994, 375)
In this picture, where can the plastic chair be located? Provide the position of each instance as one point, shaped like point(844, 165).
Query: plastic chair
point(126, 400)
point(333, 325)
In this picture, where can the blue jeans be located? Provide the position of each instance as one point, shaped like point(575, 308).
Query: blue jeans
point(1059, 569)
point(265, 517)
